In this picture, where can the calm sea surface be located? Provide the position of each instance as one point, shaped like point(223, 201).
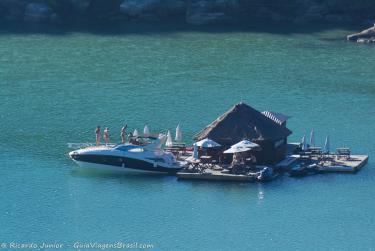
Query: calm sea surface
point(55, 88)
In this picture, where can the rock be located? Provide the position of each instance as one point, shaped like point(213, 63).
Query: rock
point(365, 34)
point(207, 6)
point(308, 18)
point(12, 9)
point(268, 16)
point(208, 18)
point(55, 18)
point(104, 9)
point(336, 19)
point(317, 9)
point(138, 7)
point(314, 13)
point(2, 11)
point(213, 6)
point(199, 7)
point(368, 22)
point(201, 12)
point(149, 18)
point(37, 12)
point(226, 5)
point(80, 6)
point(172, 8)
point(277, 18)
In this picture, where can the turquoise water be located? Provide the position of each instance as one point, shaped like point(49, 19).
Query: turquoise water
point(55, 89)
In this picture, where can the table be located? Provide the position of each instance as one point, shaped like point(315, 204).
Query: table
point(314, 152)
point(206, 161)
point(194, 163)
point(343, 152)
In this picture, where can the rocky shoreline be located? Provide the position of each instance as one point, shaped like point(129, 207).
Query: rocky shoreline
point(194, 12)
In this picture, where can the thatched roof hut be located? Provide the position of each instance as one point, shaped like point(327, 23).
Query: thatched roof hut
point(242, 122)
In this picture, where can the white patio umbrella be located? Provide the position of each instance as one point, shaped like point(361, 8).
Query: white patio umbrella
point(312, 138)
point(245, 143)
point(238, 149)
point(303, 142)
point(135, 133)
point(327, 145)
point(207, 143)
point(242, 146)
point(178, 133)
point(169, 141)
point(146, 131)
point(195, 151)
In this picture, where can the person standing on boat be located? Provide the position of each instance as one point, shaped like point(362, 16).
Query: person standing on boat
point(106, 135)
point(123, 134)
point(97, 135)
point(131, 138)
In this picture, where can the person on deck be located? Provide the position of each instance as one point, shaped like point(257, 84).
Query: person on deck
point(236, 159)
point(253, 159)
point(123, 134)
point(235, 163)
point(133, 139)
point(106, 135)
point(97, 135)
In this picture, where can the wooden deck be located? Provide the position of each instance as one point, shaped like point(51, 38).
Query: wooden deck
point(331, 163)
point(335, 164)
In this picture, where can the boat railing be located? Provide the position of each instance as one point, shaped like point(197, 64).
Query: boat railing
point(87, 144)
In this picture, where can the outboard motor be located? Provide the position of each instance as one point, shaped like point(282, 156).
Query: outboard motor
point(266, 173)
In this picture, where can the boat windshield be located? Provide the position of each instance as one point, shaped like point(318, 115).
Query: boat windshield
point(136, 150)
point(126, 148)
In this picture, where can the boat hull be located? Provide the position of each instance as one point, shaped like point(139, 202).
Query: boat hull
point(121, 163)
point(123, 169)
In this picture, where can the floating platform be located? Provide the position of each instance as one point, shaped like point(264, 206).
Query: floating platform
point(217, 175)
point(287, 163)
point(349, 165)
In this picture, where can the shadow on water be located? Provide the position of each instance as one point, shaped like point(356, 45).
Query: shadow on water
point(110, 175)
point(234, 185)
point(139, 28)
point(225, 186)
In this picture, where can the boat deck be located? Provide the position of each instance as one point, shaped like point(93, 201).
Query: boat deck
point(335, 164)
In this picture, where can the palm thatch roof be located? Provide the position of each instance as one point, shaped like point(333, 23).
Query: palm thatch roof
point(242, 122)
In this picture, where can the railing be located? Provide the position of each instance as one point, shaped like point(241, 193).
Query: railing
point(84, 145)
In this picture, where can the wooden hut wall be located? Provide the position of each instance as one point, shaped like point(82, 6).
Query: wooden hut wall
point(266, 154)
point(281, 150)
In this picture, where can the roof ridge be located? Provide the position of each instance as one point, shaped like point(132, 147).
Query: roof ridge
point(266, 127)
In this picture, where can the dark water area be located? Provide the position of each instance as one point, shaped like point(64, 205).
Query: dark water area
point(133, 27)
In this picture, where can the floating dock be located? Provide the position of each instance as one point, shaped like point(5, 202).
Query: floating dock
point(210, 174)
point(347, 165)
point(287, 163)
point(331, 163)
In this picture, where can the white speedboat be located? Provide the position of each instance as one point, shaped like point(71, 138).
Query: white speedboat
point(127, 157)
